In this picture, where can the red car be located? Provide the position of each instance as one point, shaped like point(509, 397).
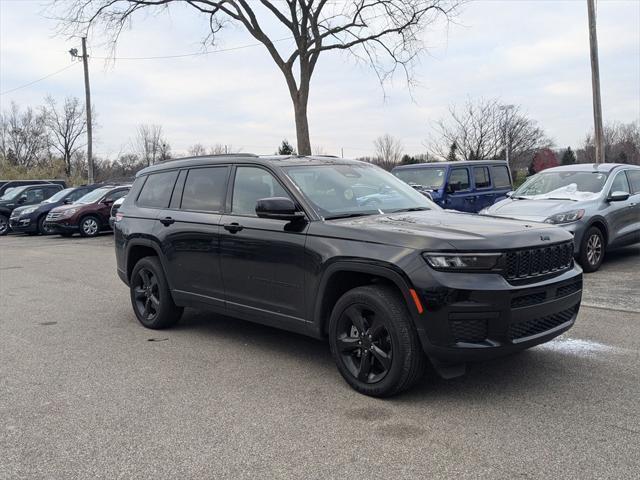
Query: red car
point(88, 215)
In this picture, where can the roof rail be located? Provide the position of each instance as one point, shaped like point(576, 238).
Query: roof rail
point(209, 156)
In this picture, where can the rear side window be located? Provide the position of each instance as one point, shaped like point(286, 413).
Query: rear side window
point(481, 177)
point(620, 183)
point(459, 179)
point(205, 189)
point(501, 177)
point(156, 191)
point(634, 180)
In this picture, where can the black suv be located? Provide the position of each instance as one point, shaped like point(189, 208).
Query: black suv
point(289, 242)
point(23, 196)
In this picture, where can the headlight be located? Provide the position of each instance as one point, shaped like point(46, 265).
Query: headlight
point(27, 211)
point(566, 217)
point(71, 211)
point(462, 261)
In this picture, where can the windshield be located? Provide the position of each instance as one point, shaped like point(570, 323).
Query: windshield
point(565, 185)
point(93, 196)
point(13, 193)
point(346, 190)
point(430, 178)
point(58, 196)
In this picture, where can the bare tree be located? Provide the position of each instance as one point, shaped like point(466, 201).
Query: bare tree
point(150, 145)
point(386, 34)
point(621, 144)
point(388, 151)
point(66, 125)
point(480, 130)
point(197, 150)
point(23, 137)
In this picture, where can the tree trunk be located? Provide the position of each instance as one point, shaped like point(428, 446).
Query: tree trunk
point(302, 125)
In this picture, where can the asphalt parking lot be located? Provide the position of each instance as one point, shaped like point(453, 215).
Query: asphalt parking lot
point(86, 392)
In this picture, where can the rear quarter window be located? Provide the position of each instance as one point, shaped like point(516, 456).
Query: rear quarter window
point(501, 178)
point(156, 191)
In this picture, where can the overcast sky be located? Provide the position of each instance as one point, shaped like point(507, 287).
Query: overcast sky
point(531, 53)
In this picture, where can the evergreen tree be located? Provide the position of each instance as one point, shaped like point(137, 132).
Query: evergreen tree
point(286, 148)
point(568, 158)
point(452, 153)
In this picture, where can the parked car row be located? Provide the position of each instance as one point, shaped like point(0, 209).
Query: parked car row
point(47, 208)
point(598, 204)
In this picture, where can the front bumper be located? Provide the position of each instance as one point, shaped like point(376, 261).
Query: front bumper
point(23, 224)
point(484, 316)
point(62, 226)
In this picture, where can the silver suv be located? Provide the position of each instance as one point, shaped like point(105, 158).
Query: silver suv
point(599, 204)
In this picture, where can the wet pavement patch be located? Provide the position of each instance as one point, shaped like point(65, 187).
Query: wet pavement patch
point(157, 339)
point(46, 324)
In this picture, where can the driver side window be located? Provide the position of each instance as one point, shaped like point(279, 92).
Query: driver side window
point(620, 183)
point(459, 179)
point(250, 185)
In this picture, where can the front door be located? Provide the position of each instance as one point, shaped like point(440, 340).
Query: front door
point(262, 259)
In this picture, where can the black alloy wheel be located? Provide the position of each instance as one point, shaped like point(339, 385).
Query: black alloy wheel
point(374, 342)
point(150, 295)
point(364, 344)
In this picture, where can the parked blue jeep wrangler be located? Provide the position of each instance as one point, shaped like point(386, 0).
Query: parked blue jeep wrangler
point(467, 186)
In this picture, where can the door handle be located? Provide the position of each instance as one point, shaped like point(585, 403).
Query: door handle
point(233, 227)
point(167, 221)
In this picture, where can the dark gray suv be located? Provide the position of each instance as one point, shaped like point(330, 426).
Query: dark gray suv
point(598, 204)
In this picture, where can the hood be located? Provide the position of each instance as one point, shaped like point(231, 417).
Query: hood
point(62, 208)
point(443, 230)
point(18, 211)
point(531, 210)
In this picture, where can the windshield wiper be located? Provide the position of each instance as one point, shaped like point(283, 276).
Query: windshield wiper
point(349, 215)
point(412, 209)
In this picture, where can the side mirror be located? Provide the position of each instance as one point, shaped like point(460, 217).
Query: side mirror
point(618, 196)
point(509, 194)
point(278, 208)
point(107, 202)
point(68, 201)
point(427, 194)
point(22, 199)
point(450, 188)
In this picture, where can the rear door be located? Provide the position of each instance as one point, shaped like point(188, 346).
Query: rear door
point(262, 259)
point(620, 214)
point(483, 190)
point(459, 192)
point(188, 230)
point(633, 176)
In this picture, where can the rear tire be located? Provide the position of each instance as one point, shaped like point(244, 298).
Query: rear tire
point(150, 295)
point(89, 226)
point(374, 343)
point(592, 250)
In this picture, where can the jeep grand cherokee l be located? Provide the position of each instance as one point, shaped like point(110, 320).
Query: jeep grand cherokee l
point(288, 242)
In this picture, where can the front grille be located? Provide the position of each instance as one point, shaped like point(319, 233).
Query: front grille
point(468, 331)
point(534, 262)
point(569, 289)
point(540, 325)
point(528, 300)
point(54, 215)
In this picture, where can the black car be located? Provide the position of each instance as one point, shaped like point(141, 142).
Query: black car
point(288, 242)
point(21, 197)
point(6, 185)
point(31, 219)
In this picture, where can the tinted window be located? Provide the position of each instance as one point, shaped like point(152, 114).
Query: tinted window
point(252, 184)
point(481, 177)
point(501, 177)
point(634, 180)
point(35, 195)
point(156, 191)
point(79, 193)
point(620, 183)
point(204, 189)
point(459, 179)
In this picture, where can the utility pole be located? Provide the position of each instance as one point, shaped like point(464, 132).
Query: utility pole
point(595, 82)
point(87, 99)
point(507, 142)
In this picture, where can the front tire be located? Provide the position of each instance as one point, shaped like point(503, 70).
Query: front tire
point(592, 250)
point(374, 343)
point(89, 226)
point(150, 295)
point(42, 228)
point(4, 225)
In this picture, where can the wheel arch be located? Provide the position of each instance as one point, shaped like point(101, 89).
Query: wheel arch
point(600, 223)
point(344, 275)
point(140, 248)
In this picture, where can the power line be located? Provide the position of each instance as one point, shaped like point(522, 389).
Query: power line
point(39, 80)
